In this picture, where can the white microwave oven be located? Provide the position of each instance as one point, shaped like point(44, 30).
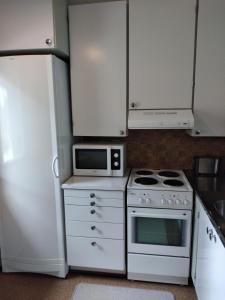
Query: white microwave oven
point(99, 159)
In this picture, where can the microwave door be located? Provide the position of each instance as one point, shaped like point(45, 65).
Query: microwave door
point(109, 168)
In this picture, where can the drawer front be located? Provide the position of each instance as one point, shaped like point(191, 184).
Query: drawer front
point(96, 253)
point(93, 229)
point(94, 194)
point(95, 214)
point(97, 201)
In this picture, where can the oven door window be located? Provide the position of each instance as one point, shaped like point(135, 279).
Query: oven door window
point(157, 231)
point(91, 159)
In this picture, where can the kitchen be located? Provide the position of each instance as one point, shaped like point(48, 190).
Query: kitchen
point(165, 59)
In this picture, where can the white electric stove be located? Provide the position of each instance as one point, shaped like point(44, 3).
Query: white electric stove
point(159, 218)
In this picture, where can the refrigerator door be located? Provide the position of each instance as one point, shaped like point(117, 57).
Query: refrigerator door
point(31, 223)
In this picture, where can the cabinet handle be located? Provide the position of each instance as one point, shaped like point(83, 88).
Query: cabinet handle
point(92, 211)
point(197, 132)
point(93, 244)
point(93, 227)
point(209, 231)
point(122, 132)
point(92, 195)
point(211, 236)
point(133, 105)
point(48, 42)
point(92, 203)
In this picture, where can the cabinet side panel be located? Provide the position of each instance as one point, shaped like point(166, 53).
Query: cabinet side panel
point(209, 102)
point(61, 33)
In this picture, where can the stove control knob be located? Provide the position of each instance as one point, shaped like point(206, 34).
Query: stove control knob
point(141, 200)
point(185, 202)
point(148, 200)
point(178, 201)
point(163, 201)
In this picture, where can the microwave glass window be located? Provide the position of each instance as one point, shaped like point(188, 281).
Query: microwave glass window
point(157, 231)
point(88, 159)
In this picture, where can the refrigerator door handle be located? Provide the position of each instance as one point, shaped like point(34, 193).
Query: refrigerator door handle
point(55, 160)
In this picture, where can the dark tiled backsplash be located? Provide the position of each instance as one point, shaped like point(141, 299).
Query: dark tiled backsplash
point(172, 149)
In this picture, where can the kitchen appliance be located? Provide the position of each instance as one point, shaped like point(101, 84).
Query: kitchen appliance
point(159, 119)
point(207, 165)
point(35, 159)
point(159, 218)
point(99, 159)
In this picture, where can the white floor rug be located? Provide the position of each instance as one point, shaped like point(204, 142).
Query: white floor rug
point(85, 291)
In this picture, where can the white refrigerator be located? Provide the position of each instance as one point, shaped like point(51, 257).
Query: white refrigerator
point(35, 158)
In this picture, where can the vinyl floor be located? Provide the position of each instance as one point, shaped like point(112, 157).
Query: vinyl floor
point(40, 287)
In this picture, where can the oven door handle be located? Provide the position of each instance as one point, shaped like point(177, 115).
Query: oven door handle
point(181, 216)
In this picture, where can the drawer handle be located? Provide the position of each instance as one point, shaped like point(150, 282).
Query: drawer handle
point(209, 231)
point(92, 211)
point(92, 203)
point(93, 244)
point(93, 227)
point(92, 195)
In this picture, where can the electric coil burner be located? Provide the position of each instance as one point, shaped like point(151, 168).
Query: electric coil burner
point(144, 172)
point(159, 217)
point(173, 182)
point(146, 181)
point(169, 174)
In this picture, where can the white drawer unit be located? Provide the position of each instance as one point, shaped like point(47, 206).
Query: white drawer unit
point(92, 194)
point(97, 254)
point(95, 214)
point(94, 229)
point(94, 202)
point(158, 268)
point(95, 223)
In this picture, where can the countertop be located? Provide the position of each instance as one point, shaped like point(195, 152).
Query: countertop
point(210, 190)
point(97, 183)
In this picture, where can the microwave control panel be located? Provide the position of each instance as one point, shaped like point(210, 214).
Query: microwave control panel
point(115, 159)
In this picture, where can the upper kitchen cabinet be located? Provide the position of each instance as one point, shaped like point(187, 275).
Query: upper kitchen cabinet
point(38, 25)
point(161, 53)
point(209, 100)
point(98, 68)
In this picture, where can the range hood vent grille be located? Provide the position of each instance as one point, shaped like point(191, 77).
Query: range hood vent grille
point(161, 119)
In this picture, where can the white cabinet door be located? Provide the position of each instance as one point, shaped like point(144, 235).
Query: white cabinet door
point(209, 100)
point(28, 24)
point(98, 68)
point(210, 272)
point(31, 218)
point(161, 53)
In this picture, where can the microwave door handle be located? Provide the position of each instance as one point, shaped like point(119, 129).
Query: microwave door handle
point(109, 168)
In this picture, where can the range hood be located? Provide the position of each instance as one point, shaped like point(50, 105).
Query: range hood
point(161, 119)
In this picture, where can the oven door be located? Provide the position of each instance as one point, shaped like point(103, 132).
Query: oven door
point(159, 231)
